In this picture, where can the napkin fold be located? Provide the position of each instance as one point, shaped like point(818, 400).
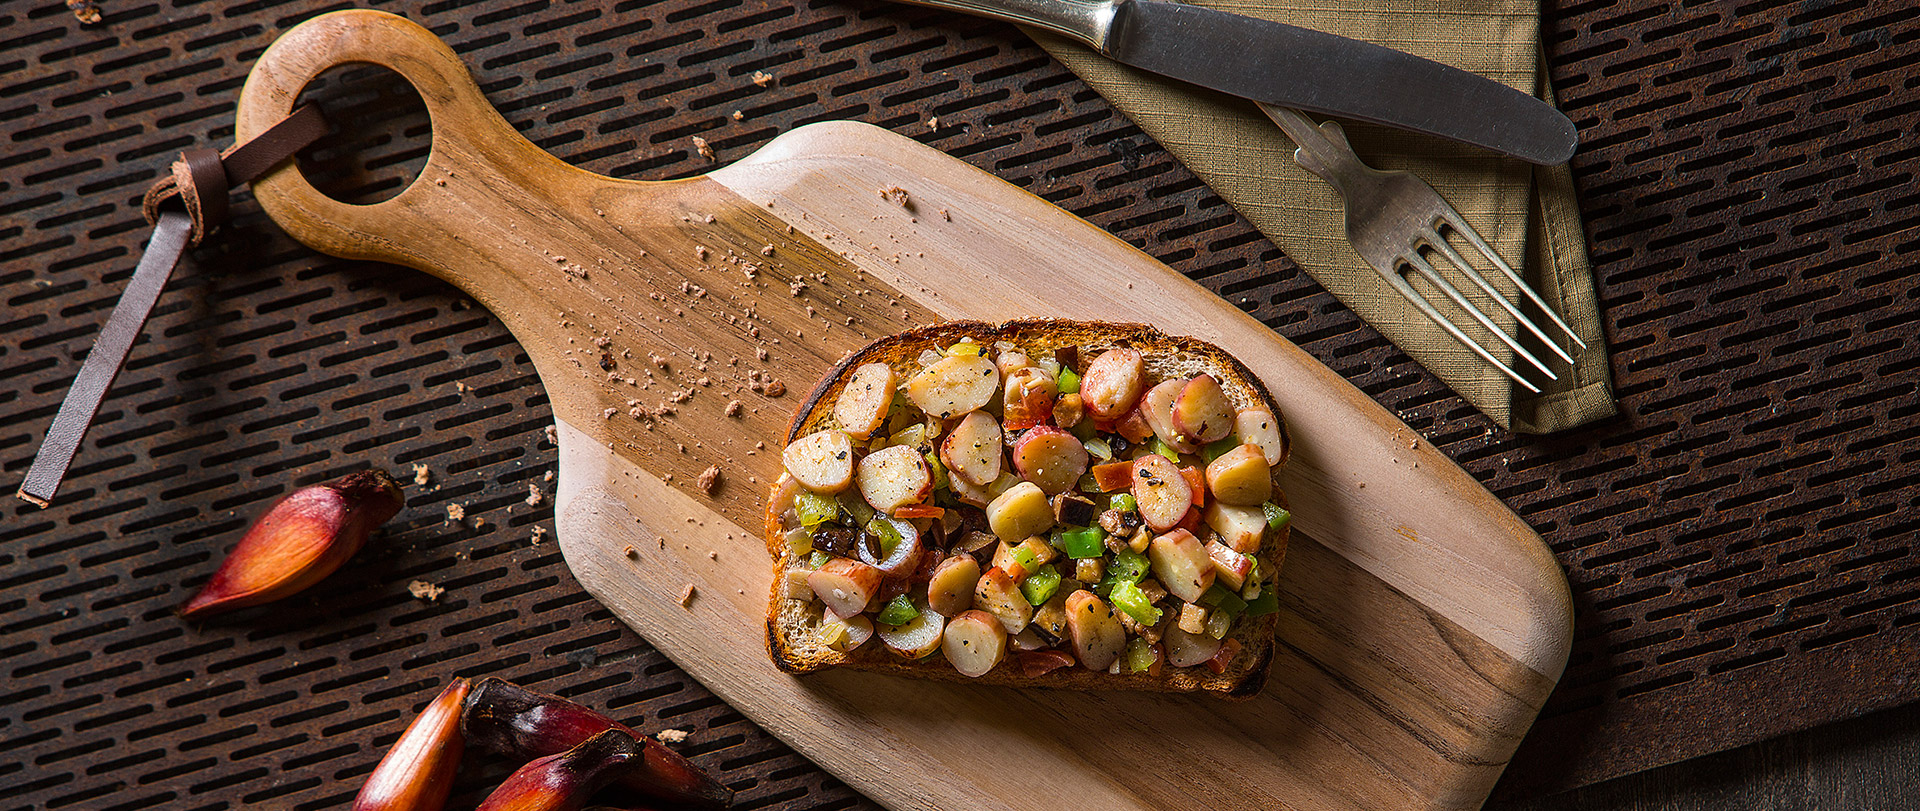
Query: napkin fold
point(1527, 213)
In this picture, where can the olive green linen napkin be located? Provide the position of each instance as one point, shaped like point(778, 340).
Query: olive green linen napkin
point(1524, 212)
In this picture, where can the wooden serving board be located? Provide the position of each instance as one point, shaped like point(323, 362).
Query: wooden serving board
point(1422, 626)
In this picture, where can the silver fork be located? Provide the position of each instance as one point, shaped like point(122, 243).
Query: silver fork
point(1393, 216)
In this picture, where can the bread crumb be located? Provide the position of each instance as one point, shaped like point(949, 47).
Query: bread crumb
point(897, 196)
point(739, 116)
point(766, 250)
point(456, 513)
point(686, 596)
point(424, 590)
point(700, 252)
point(672, 736)
point(712, 555)
point(632, 553)
point(708, 479)
point(553, 435)
point(762, 78)
point(701, 146)
point(548, 476)
point(933, 122)
point(534, 497)
point(733, 408)
point(86, 11)
point(539, 534)
point(421, 475)
point(776, 388)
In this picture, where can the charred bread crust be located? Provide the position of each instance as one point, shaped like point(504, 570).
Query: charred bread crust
point(1243, 679)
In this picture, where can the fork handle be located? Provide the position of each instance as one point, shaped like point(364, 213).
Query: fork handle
point(1322, 148)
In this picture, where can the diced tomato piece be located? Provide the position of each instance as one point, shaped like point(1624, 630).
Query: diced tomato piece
point(1219, 662)
point(1197, 481)
point(1189, 522)
point(1113, 477)
point(1134, 426)
point(919, 511)
point(1041, 662)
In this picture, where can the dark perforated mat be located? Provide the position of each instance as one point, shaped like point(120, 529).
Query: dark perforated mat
point(1742, 531)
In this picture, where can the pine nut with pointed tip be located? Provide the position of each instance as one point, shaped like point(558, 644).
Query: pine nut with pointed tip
point(300, 540)
point(417, 772)
point(508, 719)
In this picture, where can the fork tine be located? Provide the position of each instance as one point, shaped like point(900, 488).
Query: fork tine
point(1439, 243)
point(1398, 283)
point(1459, 224)
point(1453, 294)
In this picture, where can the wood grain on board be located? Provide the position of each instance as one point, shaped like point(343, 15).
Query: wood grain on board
point(1423, 624)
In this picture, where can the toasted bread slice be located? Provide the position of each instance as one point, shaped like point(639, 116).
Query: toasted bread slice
point(794, 635)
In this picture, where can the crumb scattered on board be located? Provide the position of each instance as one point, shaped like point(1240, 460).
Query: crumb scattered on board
point(686, 596)
point(705, 149)
point(424, 590)
point(539, 534)
point(86, 11)
point(898, 196)
point(456, 513)
point(672, 736)
point(709, 478)
point(421, 475)
point(762, 78)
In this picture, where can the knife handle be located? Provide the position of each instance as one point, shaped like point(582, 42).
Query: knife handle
point(1088, 22)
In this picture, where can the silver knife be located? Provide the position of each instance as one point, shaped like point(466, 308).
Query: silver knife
point(1290, 66)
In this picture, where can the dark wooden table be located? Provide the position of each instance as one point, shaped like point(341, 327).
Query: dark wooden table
point(1737, 540)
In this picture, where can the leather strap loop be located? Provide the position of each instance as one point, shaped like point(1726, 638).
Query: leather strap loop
point(200, 179)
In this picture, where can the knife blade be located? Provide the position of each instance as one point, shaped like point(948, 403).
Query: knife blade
point(1289, 66)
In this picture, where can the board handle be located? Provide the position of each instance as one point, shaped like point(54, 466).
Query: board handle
point(467, 134)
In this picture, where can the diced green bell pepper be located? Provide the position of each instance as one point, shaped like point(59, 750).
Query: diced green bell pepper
point(1219, 598)
point(940, 480)
point(1267, 603)
point(1139, 656)
point(1160, 446)
point(1124, 502)
point(815, 509)
point(1069, 380)
point(1087, 483)
point(1025, 558)
point(1083, 542)
point(1277, 516)
point(1040, 586)
point(818, 559)
point(898, 612)
point(1128, 597)
point(1218, 449)
point(1129, 566)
